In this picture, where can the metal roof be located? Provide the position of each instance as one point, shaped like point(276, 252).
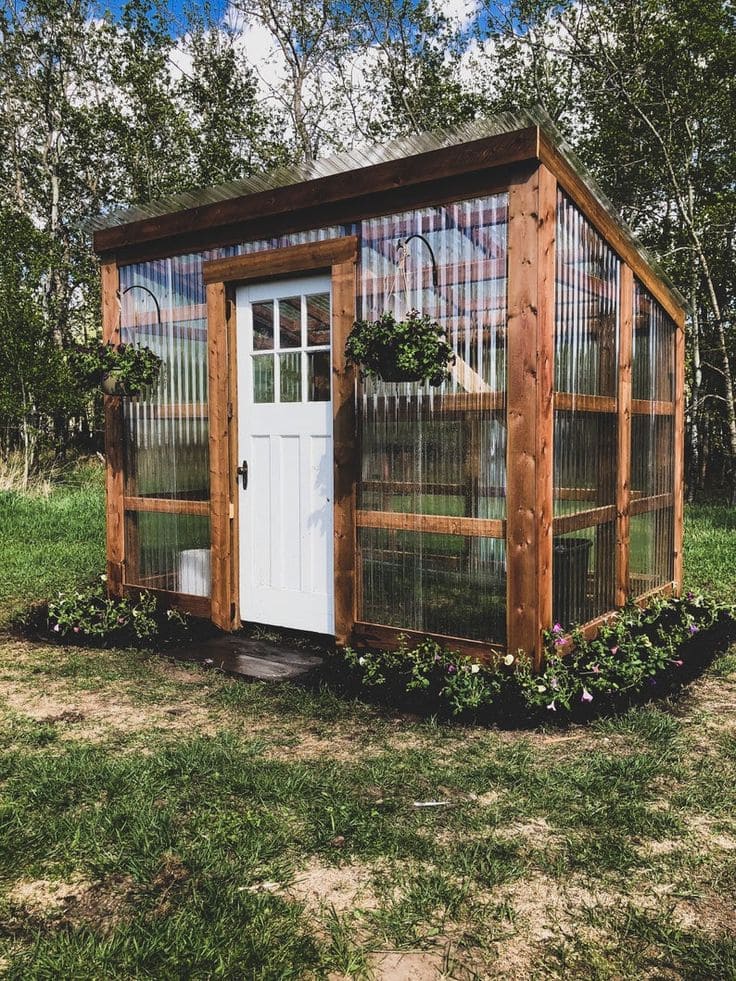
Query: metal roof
point(341, 163)
point(363, 157)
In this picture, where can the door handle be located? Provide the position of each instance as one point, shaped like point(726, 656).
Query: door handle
point(243, 473)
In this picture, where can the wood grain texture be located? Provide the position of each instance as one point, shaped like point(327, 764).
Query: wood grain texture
point(219, 455)
point(592, 518)
point(623, 450)
point(645, 407)
point(614, 233)
point(643, 505)
point(439, 523)
point(397, 200)
point(584, 403)
point(114, 441)
point(532, 226)
point(679, 461)
point(273, 263)
point(165, 505)
point(382, 637)
point(233, 445)
point(454, 161)
point(345, 446)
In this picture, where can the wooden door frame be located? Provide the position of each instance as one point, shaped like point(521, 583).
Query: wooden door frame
point(338, 257)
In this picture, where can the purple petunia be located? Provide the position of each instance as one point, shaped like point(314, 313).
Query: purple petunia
point(693, 629)
point(451, 668)
point(557, 629)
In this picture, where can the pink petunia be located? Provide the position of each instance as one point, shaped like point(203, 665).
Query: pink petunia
point(586, 696)
point(614, 650)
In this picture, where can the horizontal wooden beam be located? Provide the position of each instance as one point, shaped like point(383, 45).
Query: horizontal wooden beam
point(380, 636)
point(583, 519)
point(435, 523)
point(272, 263)
point(570, 401)
point(198, 606)
point(642, 505)
point(445, 404)
point(166, 505)
point(649, 408)
point(446, 162)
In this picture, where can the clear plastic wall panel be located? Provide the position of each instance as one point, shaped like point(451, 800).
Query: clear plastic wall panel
point(651, 556)
point(584, 461)
point(443, 584)
point(168, 551)
point(586, 306)
point(653, 349)
point(583, 574)
point(166, 429)
point(652, 455)
point(441, 450)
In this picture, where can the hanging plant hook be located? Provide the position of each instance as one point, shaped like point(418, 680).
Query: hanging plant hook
point(402, 243)
point(139, 286)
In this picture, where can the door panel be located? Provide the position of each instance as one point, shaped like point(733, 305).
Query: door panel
point(285, 435)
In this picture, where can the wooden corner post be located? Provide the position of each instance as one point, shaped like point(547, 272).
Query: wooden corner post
point(344, 449)
point(623, 429)
point(679, 461)
point(531, 310)
point(219, 414)
point(114, 434)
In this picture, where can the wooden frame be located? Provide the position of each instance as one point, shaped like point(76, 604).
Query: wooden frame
point(531, 284)
point(526, 165)
point(338, 257)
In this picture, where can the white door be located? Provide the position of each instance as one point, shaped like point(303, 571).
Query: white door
point(285, 451)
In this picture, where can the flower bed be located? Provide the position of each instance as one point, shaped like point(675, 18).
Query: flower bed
point(89, 617)
point(641, 653)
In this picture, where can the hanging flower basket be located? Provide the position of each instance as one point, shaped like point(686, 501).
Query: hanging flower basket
point(118, 369)
point(414, 349)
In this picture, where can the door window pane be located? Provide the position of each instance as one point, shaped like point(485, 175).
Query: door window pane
point(262, 326)
point(318, 320)
point(263, 378)
point(318, 376)
point(290, 322)
point(290, 367)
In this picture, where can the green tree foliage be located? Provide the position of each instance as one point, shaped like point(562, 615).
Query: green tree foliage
point(95, 114)
point(646, 92)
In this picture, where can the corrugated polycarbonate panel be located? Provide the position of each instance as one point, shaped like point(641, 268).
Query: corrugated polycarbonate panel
point(652, 443)
point(651, 550)
point(166, 430)
point(585, 423)
point(168, 551)
point(437, 451)
point(444, 584)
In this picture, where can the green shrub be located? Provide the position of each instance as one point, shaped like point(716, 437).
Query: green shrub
point(636, 653)
point(90, 616)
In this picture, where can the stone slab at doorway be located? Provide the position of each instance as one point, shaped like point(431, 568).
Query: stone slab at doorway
point(247, 657)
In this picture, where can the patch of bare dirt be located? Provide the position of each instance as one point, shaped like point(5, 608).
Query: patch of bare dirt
point(101, 906)
point(411, 965)
point(96, 715)
point(344, 888)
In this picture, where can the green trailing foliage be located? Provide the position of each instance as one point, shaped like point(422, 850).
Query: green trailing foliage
point(641, 653)
point(131, 367)
point(89, 617)
point(412, 349)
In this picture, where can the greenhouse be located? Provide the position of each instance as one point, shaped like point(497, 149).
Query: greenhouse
point(264, 479)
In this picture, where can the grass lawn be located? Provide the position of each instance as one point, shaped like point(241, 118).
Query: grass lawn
point(161, 821)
